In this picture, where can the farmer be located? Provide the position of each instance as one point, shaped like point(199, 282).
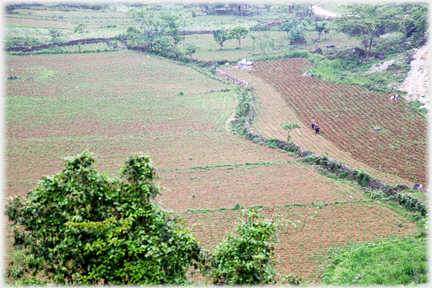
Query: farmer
point(391, 99)
point(397, 98)
point(313, 123)
point(317, 128)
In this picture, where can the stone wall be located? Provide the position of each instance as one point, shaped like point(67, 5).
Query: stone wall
point(223, 74)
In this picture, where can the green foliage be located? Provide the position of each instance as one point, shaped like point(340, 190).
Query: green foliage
point(246, 258)
point(295, 35)
point(320, 27)
point(54, 33)
point(191, 48)
point(220, 36)
point(414, 105)
point(172, 21)
point(363, 178)
point(292, 279)
point(391, 43)
point(414, 26)
point(238, 32)
point(290, 126)
point(384, 262)
point(82, 227)
point(79, 28)
point(365, 21)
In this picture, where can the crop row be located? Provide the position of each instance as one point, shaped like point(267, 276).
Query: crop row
point(347, 116)
point(312, 230)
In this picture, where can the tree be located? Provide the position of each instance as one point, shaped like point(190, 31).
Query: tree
point(254, 38)
point(80, 28)
point(191, 48)
point(172, 22)
point(294, 29)
point(320, 27)
point(248, 257)
point(80, 227)
point(295, 35)
point(290, 126)
point(365, 21)
point(415, 25)
point(145, 17)
point(132, 32)
point(268, 6)
point(55, 33)
point(185, 20)
point(152, 28)
point(220, 36)
point(238, 32)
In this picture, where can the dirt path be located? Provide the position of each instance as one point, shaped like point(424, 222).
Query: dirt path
point(323, 12)
point(272, 110)
point(232, 115)
point(417, 81)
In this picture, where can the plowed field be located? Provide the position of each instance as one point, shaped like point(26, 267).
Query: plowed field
point(300, 248)
point(252, 184)
point(347, 116)
point(271, 110)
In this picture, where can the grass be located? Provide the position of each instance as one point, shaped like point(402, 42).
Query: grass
point(101, 101)
point(393, 261)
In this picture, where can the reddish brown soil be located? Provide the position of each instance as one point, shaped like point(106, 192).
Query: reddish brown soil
point(300, 250)
point(271, 110)
point(400, 147)
point(248, 185)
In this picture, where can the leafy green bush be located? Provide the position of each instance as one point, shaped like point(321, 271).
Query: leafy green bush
point(248, 257)
point(391, 43)
point(82, 227)
point(414, 105)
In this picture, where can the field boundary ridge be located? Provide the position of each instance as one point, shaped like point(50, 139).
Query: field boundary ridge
point(242, 126)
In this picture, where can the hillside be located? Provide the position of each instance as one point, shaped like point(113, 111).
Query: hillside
point(117, 79)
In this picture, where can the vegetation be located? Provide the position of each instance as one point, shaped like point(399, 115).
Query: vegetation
point(176, 106)
point(84, 228)
point(290, 126)
point(393, 261)
point(414, 26)
point(220, 36)
point(253, 248)
point(365, 22)
point(238, 32)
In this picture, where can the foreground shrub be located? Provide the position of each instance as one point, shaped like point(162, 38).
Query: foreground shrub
point(80, 227)
point(246, 258)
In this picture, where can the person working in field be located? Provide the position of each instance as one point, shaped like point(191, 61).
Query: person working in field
point(313, 123)
point(397, 98)
point(317, 128)
point(391, 99)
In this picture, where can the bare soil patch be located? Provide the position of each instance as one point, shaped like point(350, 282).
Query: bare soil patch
point(417, 82)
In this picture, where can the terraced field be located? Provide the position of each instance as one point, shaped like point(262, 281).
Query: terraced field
point(118, 103)
point(271, 110)
point(347, 116)
point(122, 102)
point(301, 250)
